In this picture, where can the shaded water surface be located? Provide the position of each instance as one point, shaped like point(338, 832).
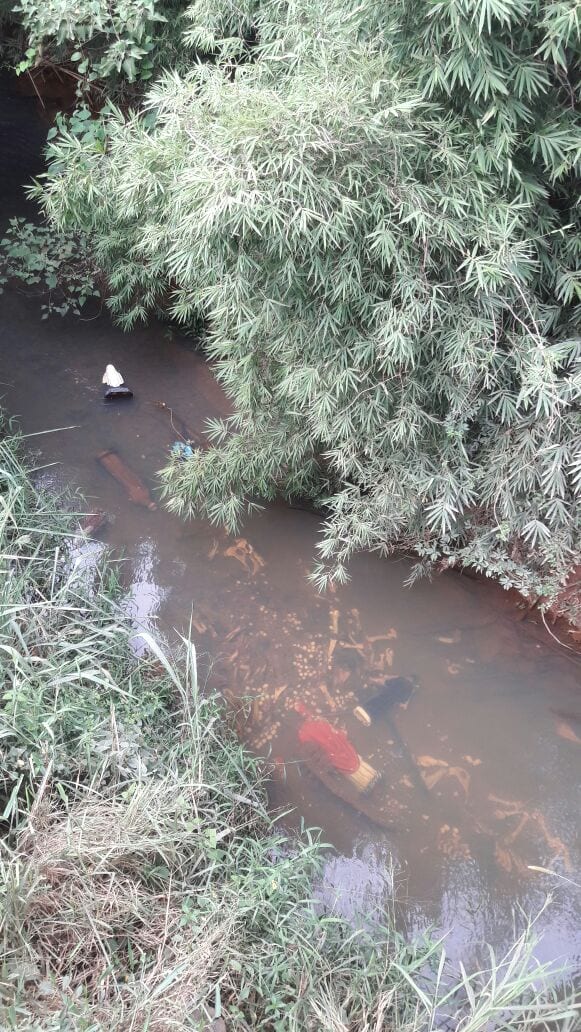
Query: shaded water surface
point(477, 749)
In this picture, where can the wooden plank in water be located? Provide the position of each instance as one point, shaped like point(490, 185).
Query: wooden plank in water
point(136, 490)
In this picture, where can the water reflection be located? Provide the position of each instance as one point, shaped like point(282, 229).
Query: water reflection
point(144, 596)
point(360, 887)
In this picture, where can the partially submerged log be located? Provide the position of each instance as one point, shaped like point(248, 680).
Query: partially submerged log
point(136, 490)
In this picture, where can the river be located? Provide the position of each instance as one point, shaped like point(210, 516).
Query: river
point(478, 752)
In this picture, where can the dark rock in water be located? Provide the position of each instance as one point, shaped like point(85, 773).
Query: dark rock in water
point(115, 393)
point(394, 692)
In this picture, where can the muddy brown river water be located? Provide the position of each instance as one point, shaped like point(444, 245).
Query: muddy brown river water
point(480, 763)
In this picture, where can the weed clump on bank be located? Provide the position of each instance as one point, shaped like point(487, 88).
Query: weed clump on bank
point(143, 884)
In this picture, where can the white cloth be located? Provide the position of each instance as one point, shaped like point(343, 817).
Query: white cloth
point(112, 377)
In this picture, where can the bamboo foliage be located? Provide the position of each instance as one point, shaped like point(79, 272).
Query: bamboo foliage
point(376, 217)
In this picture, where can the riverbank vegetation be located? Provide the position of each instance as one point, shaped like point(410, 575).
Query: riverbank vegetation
point(143, 884)
point(371, 210)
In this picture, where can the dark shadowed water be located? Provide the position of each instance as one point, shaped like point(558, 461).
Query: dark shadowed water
point(478, 750)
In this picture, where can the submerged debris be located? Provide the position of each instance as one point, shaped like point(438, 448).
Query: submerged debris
point(395, 691)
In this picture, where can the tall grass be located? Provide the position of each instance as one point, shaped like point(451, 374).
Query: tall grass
point(143, 884)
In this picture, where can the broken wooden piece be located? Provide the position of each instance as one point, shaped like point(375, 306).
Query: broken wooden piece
point(243, 551)
point(92, 522)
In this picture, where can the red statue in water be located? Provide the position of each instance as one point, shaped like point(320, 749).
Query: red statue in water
point(337, 750)
point(334, 744)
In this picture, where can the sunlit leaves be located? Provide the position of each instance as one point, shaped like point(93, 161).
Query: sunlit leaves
point(535, 532)
point(552, 143)
point(124, 40)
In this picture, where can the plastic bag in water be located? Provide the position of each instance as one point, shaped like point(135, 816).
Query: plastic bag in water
point(182, 451)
